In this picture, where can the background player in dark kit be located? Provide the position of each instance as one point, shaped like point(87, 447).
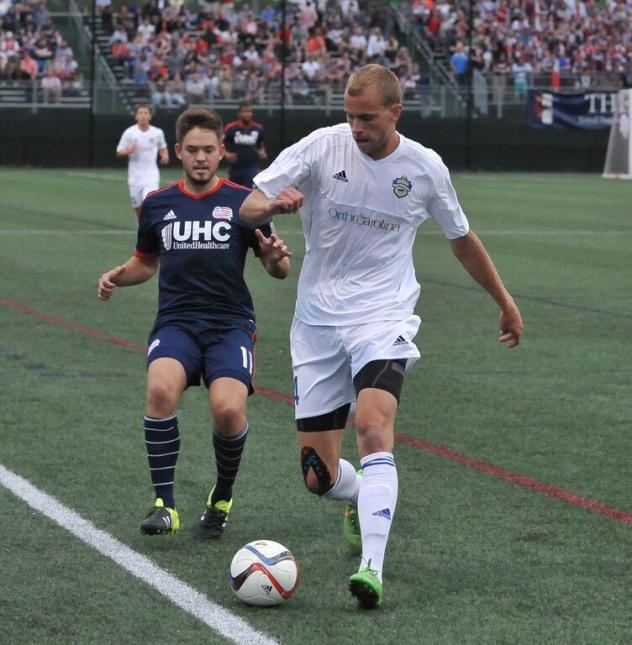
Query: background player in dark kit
point(245, 146)
point(205, 325)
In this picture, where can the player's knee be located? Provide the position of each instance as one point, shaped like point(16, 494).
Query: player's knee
point(161, 401)
point(315, 472)
point(228, 416)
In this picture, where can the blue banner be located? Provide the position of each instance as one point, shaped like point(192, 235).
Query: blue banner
point(583, 110)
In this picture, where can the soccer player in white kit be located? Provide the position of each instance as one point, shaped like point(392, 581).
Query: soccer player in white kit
point(141, 144)
point(363, 190)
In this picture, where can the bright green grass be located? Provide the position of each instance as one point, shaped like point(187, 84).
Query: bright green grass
point(472, 558)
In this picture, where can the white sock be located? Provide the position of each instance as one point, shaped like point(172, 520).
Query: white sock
point(347, 483)
point(376, 506)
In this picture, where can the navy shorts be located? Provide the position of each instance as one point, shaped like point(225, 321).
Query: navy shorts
point(208, 354)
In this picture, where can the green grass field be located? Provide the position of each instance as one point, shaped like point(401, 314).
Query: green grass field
point(521, 534)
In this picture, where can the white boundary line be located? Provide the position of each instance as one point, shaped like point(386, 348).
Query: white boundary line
point(181, 594)
point(43, 231)
point(96, 175)
point(289, 233)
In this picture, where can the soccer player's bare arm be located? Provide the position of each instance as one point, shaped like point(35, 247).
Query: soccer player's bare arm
point(135, 271)
point(274, 255)
point(164, 156)
point(469, 250)
point(257, 207)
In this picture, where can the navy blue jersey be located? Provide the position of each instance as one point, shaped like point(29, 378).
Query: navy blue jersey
point(202, 244)
point(244, 140)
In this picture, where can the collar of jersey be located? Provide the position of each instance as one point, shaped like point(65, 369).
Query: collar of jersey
point(217, 186)
point(377, 162)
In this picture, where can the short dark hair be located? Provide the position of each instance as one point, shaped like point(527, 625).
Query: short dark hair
point(244, 104)
point(143, 106)
point(199, 118)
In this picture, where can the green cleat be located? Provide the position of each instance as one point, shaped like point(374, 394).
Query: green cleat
point(160, 520)
point(351, 529)
point(367, 588)
point(213, 520)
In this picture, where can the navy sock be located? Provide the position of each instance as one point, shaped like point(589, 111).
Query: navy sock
point(162, 441)
point(228, 451)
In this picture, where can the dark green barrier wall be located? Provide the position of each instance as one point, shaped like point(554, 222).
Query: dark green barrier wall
point(56, 138)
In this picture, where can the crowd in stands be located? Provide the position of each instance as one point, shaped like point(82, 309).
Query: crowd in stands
point(32, 49)
point(176, 56)
point(173, 54)
point(225, 51)
point(584, 41)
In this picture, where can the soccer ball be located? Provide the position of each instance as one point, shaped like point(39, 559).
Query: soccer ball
point(263, 573)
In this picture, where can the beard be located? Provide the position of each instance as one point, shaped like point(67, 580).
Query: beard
point(200, 180)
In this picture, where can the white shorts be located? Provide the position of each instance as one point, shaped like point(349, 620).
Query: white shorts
point(137, 192)
point(326, 358)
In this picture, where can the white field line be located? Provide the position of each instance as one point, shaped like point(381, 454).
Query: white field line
point(289, 233)
point(96, 175)
point(42, 231)
point(179, 593)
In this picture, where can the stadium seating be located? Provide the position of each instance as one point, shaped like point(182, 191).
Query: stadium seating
point(177, 56)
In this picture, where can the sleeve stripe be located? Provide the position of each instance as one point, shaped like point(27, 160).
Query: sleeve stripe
point(143, 255)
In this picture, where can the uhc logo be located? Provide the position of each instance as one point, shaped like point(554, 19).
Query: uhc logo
point(196, 235)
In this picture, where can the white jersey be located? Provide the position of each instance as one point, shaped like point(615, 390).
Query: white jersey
point(143, 166)
point(360, 218)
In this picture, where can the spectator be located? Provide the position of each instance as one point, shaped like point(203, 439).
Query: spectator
point(51, 87)
point(311, 67)
point(176, 91)
point(358, 41)
point(376, 45)
point(225, 82)
point(521, 72)
point(29, 69)
point(316, 42)
point(459, 64)
point(308, 17)
point(75, 85)
point(9, 46)
point(500, 70)
point(195, 88)
point(42, 53)
point(12, 70)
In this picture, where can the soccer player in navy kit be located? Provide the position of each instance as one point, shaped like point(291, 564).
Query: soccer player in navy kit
point(245, 146)
point(205, 325)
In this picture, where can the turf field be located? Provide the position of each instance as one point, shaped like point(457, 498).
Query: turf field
point(514, 522)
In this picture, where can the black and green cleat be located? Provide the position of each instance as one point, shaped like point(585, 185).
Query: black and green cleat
point(160, 520)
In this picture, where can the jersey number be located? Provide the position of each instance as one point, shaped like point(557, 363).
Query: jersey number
point(246, 359)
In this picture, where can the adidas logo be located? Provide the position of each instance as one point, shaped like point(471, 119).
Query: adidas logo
point(170, 215)
point(341, 176)
point(267, 588)
point(400, 340)
point(385, 513)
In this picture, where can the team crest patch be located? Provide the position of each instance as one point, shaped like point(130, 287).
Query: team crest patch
point(222, 212)
point(401, 186)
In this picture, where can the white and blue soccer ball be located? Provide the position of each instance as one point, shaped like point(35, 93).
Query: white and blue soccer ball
point(264, 573)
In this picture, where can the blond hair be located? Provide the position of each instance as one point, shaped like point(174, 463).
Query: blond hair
point(384, 81)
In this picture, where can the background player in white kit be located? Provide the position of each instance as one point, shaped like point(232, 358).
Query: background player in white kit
point(363, 190)
point(141, 144)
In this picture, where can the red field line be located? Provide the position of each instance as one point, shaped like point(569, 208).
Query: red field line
point(68, 324)
point(431, 448)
